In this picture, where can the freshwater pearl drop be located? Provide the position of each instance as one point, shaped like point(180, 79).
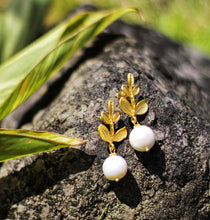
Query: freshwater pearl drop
point(114, 167)
point(142, 138)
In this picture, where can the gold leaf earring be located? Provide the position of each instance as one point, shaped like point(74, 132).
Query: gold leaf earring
point(142, 137)
point(115, 166)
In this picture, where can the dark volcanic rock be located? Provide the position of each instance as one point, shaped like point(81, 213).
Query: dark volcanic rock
point(169, 182)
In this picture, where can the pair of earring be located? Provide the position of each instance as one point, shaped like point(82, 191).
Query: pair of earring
point(141, 138)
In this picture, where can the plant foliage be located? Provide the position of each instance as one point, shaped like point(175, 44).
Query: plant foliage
point(23, 74)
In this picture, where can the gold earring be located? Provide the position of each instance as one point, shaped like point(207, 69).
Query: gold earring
point(115, 166)
point(142, 137)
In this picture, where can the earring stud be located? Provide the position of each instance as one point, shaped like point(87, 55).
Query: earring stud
point(115, 166)
point(142, 137)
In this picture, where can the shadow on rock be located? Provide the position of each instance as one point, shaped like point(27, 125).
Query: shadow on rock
point(44, 172)
point(127, 191)
point(153, 161)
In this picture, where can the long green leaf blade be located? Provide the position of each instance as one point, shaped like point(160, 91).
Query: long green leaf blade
point(18, 67)
point(18, 26)
point(28, 70)
point(19, 143)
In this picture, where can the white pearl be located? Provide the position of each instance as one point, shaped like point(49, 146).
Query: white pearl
point(114, 167)
point(142, 138)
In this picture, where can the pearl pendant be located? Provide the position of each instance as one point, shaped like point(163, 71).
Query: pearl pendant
point(142, 138)
point(115, 167)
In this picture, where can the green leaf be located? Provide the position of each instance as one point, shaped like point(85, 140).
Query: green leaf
point(28, 70)
point(20, 24)
point(22, 75)
point(19, 143)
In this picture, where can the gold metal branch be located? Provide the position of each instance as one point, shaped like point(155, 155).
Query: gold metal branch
point(127, 100)
point(109, 135)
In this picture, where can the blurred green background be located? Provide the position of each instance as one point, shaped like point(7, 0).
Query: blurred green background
point(186, 21)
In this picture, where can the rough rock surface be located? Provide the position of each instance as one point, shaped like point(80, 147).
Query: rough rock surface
point(169, 182)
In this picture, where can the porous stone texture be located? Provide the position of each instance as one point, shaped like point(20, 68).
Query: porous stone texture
point(169, 182)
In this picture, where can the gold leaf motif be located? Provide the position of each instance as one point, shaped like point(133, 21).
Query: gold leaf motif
point(130, 79)
point(126, 106)
point(105, 118)
point(116, 117)
point(141, 108)
point(104, 133)
point(111, 107)
point(120, 135)
point(120, 94)
point(125, 90)
point(136, 90)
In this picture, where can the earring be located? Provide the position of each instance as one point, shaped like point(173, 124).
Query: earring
point(142, 137)
point(115, 166)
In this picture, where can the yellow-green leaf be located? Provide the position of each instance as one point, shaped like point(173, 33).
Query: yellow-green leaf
point(121, 94)
point(23, 74)
point(120, 135)
point(125, 89)
point(104, 133)
point(111, 107)
point(116, 117)
point(19, 143)
point(105, 118)
point(141, 108)
point(136, 90)
point(126, 106)
point(130, 79)
point(18, 26)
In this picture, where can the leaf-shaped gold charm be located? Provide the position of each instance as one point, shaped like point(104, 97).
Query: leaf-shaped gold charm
point(116, 117)
point(104, 133)
point(141, 108)
point(105, 118)
point(126, 106)
point(130, 79)
point(120, 94)
point(120, 135)
point(125, 90)
point(111, 107)
point(136, 90)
